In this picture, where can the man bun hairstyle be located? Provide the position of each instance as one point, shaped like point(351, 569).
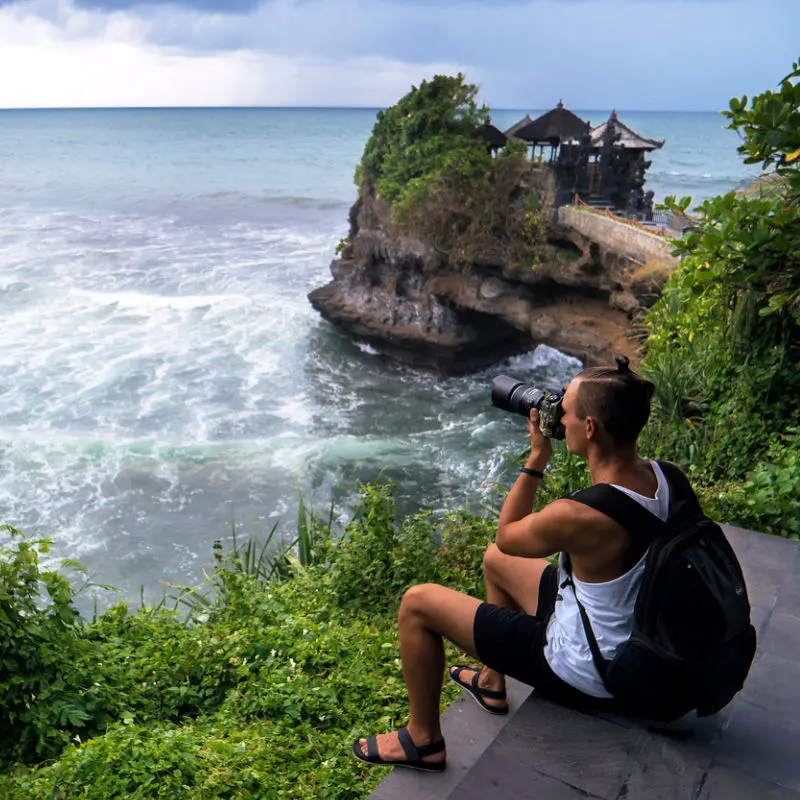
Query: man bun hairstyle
point(617, 397)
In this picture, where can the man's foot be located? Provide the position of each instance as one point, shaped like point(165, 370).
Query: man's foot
point(487, 688)
point(397, 749)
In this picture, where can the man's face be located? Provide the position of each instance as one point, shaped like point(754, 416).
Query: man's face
point(574, 428)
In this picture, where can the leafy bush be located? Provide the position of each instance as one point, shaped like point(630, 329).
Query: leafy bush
point(256, 690)
point(427, 159)
point(45, 699)
point(432, 131)
point(769, 497)
point(724, 339)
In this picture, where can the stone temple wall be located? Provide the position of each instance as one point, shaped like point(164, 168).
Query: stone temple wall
point(628, 240)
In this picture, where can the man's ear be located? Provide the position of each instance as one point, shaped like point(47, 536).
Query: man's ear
point(592, 428)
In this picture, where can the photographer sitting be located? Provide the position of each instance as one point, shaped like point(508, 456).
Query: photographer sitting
point(530, 628)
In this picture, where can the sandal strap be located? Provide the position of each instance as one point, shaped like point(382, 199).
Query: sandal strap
point(372, 747)
point(417, 752)
point(409, 748)
point(492, 694)
point(431, 749)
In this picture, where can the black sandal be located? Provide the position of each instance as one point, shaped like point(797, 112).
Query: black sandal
point(414, 754)
point(478, 693)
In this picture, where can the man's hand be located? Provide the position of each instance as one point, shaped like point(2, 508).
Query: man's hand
point(541, 446)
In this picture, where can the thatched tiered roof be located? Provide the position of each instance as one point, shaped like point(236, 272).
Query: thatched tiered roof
point(512, 131)
point(628, 138)
point(494, 137)
point(555, 127)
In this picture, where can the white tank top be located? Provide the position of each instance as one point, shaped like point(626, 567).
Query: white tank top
point(609, 606)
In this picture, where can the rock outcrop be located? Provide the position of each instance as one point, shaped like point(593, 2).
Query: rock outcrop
point(397, 294)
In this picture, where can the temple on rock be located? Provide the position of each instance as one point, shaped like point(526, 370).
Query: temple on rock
point(604, 167)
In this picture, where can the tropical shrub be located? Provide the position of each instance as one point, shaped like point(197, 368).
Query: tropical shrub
point(256, 689)
point(45, 700)
point(430, 132)
point(427, 159)
point(724, 339)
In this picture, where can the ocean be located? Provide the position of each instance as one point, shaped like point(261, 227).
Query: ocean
point(162, 375)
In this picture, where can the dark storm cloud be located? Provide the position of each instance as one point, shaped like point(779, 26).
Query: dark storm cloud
point(632, 54)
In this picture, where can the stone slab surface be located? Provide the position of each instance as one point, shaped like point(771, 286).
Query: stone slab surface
point(474, 730)
point(750, 751)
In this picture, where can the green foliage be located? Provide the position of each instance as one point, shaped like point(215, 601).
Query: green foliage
point(430, 132)
point(769, 496)
point(771, 127)
point(44, 699)
point(724, 339)
point(427, 159)
point(256, 690)
point(378, 559)
point(749, 244)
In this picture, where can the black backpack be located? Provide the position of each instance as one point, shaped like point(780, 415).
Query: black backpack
point(692, 643)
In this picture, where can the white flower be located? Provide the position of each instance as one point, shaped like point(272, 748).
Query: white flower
point(272, 653)
point(292, 663)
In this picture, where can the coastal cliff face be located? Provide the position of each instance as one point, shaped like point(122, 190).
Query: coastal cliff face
point(395, 292)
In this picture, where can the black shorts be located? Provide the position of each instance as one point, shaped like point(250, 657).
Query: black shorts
point(512, 643)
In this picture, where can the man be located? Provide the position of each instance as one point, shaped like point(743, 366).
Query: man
point(528, 627)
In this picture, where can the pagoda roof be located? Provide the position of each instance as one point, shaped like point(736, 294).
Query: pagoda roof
point(554, 127)
point(628, 138)
point(493, 136)
point(512, 131)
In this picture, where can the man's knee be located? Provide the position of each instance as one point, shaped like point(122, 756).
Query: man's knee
point(491, 558)
point(417, 600)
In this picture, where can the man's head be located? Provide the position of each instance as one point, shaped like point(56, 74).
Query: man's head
point(607, 405)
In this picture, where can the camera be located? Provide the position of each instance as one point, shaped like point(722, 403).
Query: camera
point(513, 395)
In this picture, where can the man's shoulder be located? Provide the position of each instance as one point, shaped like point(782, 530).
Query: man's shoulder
point(577, 517)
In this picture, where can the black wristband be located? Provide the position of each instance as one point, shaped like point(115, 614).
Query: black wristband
point(534, 473)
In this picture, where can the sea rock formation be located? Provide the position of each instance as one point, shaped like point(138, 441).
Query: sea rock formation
point(396, 293)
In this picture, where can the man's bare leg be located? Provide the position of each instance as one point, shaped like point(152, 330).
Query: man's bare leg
point(511, 582)
point(427, 613)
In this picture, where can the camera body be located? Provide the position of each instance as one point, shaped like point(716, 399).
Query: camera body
point(518, 397)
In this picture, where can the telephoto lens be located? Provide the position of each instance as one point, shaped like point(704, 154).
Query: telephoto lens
point(515, 396)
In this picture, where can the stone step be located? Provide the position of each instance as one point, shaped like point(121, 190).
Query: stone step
point(469, 731)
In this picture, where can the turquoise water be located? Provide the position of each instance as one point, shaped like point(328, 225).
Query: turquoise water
point(161, 371)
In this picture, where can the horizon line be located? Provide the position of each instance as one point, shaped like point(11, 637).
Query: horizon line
point(332, 108)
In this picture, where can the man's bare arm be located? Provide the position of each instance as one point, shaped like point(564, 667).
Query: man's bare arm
point(542, 533)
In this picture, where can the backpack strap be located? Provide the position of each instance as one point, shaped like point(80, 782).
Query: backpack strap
point(600, 663)
point(632, 516)
point(681, 491)
point(624, 510)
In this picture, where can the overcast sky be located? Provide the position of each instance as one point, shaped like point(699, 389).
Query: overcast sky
point(631, 54)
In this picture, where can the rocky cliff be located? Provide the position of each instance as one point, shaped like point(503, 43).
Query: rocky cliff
point(397, 293)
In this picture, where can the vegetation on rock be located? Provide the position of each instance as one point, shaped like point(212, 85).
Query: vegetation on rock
point(427, 159)
point(430, 132)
